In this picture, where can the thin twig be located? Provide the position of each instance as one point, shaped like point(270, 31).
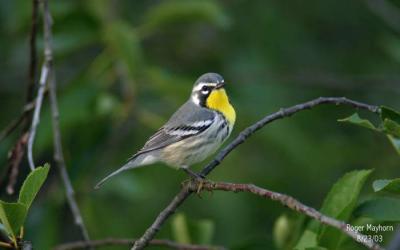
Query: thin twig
point(31, 76)
point(59, 158)
point(127, 242)
point(285, 200)
point(33, 56)
point(58, 151)
point(15, 159)
point(283, 113)
point(17, 152)
point(46, 68)
point(16, 122)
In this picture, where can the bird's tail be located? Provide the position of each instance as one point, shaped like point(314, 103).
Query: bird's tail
point(134, 162)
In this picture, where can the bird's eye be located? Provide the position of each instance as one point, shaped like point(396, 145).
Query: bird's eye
point(205, 90)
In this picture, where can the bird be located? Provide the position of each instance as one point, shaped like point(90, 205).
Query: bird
point(194, 132)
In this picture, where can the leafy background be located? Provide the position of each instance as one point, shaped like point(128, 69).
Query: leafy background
point(124, 66)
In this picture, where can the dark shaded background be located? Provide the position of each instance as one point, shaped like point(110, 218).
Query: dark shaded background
point(123, 67)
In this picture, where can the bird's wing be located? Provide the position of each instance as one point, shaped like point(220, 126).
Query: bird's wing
point(186, 122)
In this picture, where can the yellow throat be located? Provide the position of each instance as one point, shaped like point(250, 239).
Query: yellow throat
point(218, 100)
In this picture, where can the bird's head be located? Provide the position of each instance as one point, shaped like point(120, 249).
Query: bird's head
point(209, 92)
point(207, 88)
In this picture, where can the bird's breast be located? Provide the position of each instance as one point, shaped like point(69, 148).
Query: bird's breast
point(219, 101)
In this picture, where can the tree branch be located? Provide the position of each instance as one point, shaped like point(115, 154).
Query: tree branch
point(31, 77)
point(127, 242)
point(285, 200)
point(16, 122)
point(18, 150)
point(46, 69)
point(32, 53)
point(15, 158)
point(283, 113)
point(58, 152)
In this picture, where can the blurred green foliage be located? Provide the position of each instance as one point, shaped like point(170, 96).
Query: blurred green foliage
point(123, 67)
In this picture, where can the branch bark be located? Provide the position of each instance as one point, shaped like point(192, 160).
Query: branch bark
point(285, 200)
point(184, 193)
point(46, 69)
point(127, 242)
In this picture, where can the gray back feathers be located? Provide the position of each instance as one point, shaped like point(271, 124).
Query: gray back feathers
point(187, 121)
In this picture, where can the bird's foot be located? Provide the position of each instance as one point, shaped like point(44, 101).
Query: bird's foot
point(198, 178)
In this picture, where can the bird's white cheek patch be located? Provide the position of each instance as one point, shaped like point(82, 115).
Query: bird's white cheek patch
point(195, 99)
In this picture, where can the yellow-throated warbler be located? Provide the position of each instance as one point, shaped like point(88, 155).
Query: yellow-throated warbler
point(194, 131)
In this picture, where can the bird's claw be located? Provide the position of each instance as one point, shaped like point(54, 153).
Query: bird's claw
point(200, 185)
point(196, 178)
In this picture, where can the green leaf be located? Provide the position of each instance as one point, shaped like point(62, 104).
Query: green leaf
point(382, 209)
point(180, 229)
point(344, 192)
point(308, 239)
point(391, 114)
point(390, 186)
point(287, 230)
point(12, 216)
point(340, 203)
point(355, 119)
point(32, 184)
point(395, 142)
point(390, 127)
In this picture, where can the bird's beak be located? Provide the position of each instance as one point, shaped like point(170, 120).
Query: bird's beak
point(220, 85)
